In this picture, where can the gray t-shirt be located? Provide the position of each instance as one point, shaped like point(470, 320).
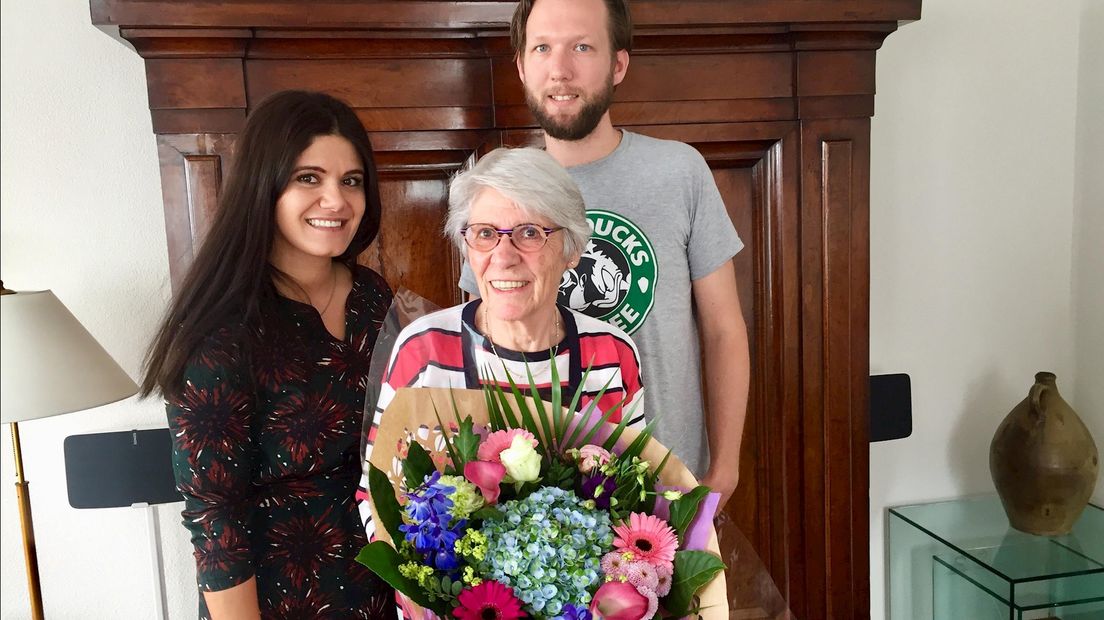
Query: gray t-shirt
point(657, 223)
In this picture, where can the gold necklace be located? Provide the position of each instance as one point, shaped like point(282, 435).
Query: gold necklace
point(555, 337)
point(333, 290)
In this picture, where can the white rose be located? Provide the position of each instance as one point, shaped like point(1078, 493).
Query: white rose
point(521, 460)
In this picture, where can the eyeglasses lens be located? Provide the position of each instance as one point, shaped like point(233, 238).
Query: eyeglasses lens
point(526, 237)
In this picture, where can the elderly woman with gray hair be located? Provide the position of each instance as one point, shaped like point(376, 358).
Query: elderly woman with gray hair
point(521, 221)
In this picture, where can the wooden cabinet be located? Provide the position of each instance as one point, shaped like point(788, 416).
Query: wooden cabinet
point(777, 94)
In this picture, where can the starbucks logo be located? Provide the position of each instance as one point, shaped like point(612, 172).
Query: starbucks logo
point(616, 275)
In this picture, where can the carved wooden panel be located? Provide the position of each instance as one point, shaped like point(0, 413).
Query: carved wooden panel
point(410, 250)
point(192, 168)
point(835, 247)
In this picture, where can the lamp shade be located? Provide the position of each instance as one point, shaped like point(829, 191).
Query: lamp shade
point(50, 363)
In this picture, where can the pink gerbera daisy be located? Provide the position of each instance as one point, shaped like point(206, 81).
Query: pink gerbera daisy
point(489, 600)
point(649, 538)
point(496, 442)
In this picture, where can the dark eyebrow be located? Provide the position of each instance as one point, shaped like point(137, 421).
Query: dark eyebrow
point(323, 170)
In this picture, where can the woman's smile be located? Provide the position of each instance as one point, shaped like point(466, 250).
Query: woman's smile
point(508, 285)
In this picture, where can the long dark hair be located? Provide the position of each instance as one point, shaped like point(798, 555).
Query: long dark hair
point(231, 277)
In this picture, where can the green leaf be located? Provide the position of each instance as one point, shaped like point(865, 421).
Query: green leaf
point(525, 489)
point(507, 411)
point(467, 442)
point(417, 465)
point(527, 421)
point(636, 448)
point(693, 570)
point(559, 418)
point(557, 396)
point(382, 559)
point(611, 441)
point(662, 464)
point(685, 508)
point(574, 406)
point(494, 414)
point(457, 587)
point(584, 417)
point(454, 456)
point(561, 474)
point(388, 511)
point(488, 513)
point(538, 404)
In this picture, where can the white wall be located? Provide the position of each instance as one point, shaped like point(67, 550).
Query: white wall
point(1088, 239)
point(972, 221)
point(81, 214)
point(972, 190)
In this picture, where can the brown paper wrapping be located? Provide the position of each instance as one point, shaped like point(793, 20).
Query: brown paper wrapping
point(411, 416)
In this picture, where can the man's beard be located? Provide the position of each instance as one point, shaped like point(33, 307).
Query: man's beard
point(582, 124)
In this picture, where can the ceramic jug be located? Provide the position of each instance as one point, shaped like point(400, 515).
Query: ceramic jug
point(1044, 462)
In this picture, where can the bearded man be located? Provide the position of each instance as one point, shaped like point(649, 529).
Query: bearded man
point(659, 262)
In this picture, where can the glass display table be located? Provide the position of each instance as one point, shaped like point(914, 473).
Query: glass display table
point(961, 559)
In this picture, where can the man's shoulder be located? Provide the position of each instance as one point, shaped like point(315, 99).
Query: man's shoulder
point(661, 146)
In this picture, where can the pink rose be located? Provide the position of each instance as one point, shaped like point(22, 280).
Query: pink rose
point(591, 456)
point(487, 476)
point(496, 442)
point(617, 600)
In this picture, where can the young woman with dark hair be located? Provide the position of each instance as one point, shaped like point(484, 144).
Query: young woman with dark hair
point(263, 362)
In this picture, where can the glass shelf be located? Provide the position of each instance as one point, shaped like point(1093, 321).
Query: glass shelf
point(961, 559)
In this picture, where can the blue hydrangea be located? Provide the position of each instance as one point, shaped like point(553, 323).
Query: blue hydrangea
point(548, 548)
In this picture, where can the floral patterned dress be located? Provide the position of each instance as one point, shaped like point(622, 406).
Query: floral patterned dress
point(266, 451)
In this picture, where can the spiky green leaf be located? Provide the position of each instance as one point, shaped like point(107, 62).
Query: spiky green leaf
point(494, 415)
point(557, 396)
point(454, 456)
point(583, 420)
point(538, 405)
point(636, 448)
point(465, 441)
point(528, 422)
point(504, 406)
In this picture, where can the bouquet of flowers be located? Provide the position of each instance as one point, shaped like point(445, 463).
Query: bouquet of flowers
point(518, 508)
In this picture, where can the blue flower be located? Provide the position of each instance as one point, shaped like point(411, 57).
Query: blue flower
point(433, 531)
point(548, 549)
point(571, 612)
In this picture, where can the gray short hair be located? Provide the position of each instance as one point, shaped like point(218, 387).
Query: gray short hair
point(534, 181)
